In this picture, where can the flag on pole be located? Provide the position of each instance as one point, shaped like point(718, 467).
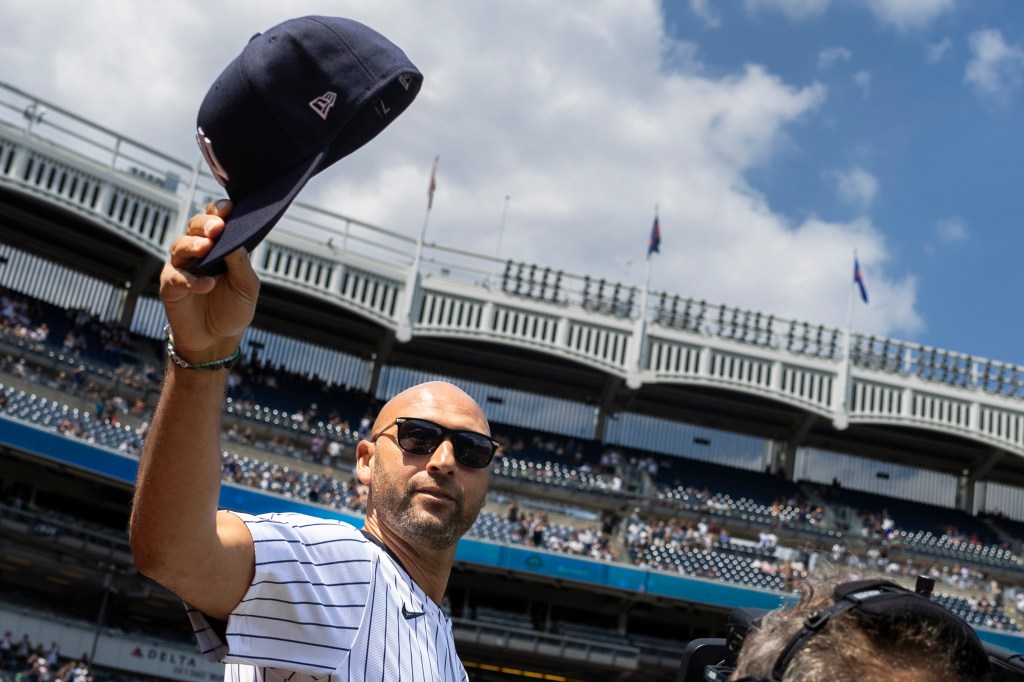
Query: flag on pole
point(433, 183)
point(655, 241)
point(859, 279)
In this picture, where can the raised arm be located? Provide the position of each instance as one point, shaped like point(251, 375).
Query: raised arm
point(177, 536)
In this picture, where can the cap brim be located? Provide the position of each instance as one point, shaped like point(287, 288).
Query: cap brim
point(254, 215)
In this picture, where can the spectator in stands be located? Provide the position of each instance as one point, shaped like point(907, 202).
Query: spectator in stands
point(537, 525)
point(894, 635)
point(767, 541)
point(364, 426)
point(6, 647)
point(8, 313)
point(53, 655)
point(24, 648)
point(513, 512)
point(63, 674)
point(317, 446)
point(80, 376)
point(38, 669)
point(425, 461)
point(334, 451)
point(39, 334)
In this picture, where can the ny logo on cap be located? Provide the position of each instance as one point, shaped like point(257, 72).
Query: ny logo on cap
point(322, 104)
point(206, 147)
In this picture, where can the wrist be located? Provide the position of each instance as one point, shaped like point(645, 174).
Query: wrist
point(222, 355)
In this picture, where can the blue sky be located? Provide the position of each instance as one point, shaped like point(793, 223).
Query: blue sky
point(775, 136)
point(923, 117)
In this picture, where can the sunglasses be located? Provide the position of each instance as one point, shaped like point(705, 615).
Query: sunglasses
point(423, 437)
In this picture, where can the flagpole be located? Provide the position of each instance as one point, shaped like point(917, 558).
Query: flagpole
point(501, 235)
point(643, 303)
point(633, 381)
point(404, 331)
point(643, 294)
point(842, 418)
point(430, 204)
point(190, 196)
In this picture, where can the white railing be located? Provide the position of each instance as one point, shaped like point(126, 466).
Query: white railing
point(143, 196)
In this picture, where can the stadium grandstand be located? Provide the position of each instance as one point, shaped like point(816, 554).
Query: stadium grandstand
point(664, 459)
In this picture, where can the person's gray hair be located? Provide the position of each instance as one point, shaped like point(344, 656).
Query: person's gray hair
point(848, 649)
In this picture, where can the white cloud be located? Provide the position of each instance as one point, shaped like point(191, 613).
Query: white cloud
point(831, 55)
point(863, 81)
point(907, 15)
point(575, 114)
point(951, 230)
point(996, 67)
point(797, 10)
point(855, 186)
point(904, 15)
point(702, 9)
point(936, 52)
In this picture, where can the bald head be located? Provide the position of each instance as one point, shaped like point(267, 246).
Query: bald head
point(426, 497)
point(439, 401)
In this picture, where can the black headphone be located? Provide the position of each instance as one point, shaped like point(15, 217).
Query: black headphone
point(882, 603)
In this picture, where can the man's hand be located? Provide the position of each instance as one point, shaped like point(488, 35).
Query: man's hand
point(207, 314)
point(177, 536)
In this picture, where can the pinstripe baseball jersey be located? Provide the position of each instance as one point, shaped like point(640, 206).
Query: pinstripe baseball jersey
point(328, 604)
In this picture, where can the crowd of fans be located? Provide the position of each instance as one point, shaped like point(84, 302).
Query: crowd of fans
point(21, 660)
point(311, 435)
point(681, 536)
point(535, 529)
point(324, 488)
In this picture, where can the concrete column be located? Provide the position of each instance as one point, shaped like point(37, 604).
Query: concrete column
point(783, 458)
point(20, 163)
point(965, 493)
point(607, 405)
point(138, 282)
point(380, 359)
point(486, 317)
point(408, 307)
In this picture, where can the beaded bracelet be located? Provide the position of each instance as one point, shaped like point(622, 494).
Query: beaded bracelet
point(212, 366)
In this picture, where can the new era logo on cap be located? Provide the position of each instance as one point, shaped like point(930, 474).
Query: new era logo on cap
point(322, 104)
point(257, 116)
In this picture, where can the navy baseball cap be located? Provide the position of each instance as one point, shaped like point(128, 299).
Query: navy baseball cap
point(299, 97)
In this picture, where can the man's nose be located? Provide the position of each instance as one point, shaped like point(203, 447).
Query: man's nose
point(443, 458)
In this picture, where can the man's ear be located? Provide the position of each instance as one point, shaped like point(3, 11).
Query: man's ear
point(365, 452)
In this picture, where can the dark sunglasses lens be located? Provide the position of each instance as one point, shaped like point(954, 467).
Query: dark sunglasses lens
point(473, 449)
point(419, 437)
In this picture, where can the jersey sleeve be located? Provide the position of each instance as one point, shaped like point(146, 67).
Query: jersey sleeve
point(307, 598)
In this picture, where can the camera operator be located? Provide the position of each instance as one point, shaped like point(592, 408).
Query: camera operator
point(863, 631)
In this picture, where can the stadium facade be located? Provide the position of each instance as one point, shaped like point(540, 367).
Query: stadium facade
point(87, 216)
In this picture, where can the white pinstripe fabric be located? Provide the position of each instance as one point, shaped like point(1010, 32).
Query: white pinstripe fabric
point(326, 604)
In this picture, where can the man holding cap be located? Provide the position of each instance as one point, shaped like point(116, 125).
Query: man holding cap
point(289, 596)
point(299, 97)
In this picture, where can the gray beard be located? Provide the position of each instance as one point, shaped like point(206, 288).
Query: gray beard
point(395, 510)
